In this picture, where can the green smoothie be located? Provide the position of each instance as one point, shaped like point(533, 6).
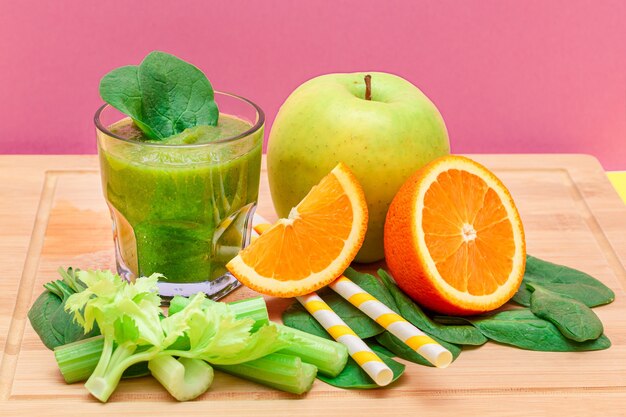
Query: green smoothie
point(179, 204)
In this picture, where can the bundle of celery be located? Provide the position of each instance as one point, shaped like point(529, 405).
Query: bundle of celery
point(179, 350)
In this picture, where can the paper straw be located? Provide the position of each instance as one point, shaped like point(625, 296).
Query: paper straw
point(417, 340)
point(339, 330)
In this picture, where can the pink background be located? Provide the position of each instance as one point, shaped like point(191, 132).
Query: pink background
point(508, 76)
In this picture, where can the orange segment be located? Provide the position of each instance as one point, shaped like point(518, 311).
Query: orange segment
point(313, 246)
point(454, 240)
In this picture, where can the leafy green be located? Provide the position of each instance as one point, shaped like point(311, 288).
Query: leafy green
point(48, 317)
point(254, 308)
point(164, 95)
point(129, 317)
point(379, 348)
point(297, 317)
point(564, 281)
point(402, 350)
point(353, 376)
point(457, 334)
point(560, 315)
point(521, 328)
point(574, 319)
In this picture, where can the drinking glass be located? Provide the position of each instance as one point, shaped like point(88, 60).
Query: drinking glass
point(181, 210)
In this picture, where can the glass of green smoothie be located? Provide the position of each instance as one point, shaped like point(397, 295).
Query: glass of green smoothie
point(182, 206)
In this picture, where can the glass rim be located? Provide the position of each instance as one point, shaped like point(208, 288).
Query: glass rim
point(259, 123)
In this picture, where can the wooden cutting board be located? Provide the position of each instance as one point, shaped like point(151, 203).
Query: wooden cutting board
point(52, 213)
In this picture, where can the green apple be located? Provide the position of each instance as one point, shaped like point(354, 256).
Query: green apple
point(383, 140)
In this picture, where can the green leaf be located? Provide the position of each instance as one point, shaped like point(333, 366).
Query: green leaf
point(121, 309)
point(457, 334)
point(574, 319)
point(48, 317)
point(379, 348)
point(40, 317)
point(164, 95)
point(125, 329)
point(403, 351)
point(70, 278)
point(354, 377)
point(521, 328)
point(564, 281)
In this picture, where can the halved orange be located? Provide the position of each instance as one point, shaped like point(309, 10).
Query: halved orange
point(313, 246)
point(454, 241)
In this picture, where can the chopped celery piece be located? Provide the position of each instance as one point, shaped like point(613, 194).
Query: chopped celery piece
point(284, 372)
point(328, 356)
point(77, 360)
point(184, 378)
point(253, 308)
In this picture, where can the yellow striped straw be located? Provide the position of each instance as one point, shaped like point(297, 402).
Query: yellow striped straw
point(339, 330)
point(394, 323)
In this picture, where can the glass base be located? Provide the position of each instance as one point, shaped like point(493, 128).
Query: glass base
point(214, 289)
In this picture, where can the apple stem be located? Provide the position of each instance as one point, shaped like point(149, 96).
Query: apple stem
point(368, 87)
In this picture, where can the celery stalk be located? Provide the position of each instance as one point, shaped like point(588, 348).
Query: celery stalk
point(184, 378)
point(284, 372)
point(253, 308)
point(77, 360)
point(328, 356)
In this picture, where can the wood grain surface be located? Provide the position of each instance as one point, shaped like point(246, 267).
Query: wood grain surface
point(52, 213)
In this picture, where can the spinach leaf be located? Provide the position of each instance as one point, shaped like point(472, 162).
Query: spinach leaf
point(297, 317)
point(451, 320)
point(574, 319)
point(47, 316)
point(564, 281)
point(403, 351)
point(120, 88)
point(378, 348)
point(457, 334)
point(164, 95)
point(40, 315)
point(354, 377)
point(521, 328)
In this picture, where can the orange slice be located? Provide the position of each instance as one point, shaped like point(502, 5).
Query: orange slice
point(313, 246)
point(454, 241)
